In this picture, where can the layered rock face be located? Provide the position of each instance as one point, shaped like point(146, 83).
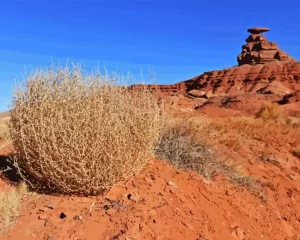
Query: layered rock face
point(281, 77)
point(274, 77)
point(258, 50)
point(178, 87)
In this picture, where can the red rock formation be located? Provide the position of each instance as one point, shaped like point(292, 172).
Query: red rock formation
point(272, 78)
point(247, 78)
point(291, 98)
point(178, 87)
point(246, 103)
point(247, 86)
point(258, 50)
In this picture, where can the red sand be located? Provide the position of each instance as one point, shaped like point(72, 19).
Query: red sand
point(193, 209)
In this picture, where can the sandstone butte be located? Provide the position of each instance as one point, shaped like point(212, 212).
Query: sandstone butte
point(264, 74)
point(260, 63)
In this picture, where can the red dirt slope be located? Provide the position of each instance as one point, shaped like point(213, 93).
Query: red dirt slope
point(164, 203)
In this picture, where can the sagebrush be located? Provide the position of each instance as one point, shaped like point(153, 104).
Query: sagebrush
point(80, 133)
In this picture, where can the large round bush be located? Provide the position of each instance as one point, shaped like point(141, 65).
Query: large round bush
point(79, 133)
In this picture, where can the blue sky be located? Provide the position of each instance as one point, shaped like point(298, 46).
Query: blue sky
point(179, 39)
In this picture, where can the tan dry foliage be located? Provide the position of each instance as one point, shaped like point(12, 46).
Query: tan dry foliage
point(265, 138)
point(4, 141)
point(179, 145)
point(245, 130)
point(10, 201)
point(269, 112)
point(82, 133)
point(183, 144)
point(237, 132)
point(3, 125)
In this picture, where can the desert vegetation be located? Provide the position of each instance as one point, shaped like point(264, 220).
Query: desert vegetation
point(246, 130)
point(79, 133)
point(4, 119)
point(183, 143)
point(269, 112)
point(197, 143)
point(10, 203)
point(4, 141)
point(179, 144)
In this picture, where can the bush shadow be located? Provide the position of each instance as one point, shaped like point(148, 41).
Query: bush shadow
point(10, 175)
point(8, 171)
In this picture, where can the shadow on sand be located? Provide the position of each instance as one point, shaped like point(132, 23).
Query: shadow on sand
point(8, 171)
point(10, 174)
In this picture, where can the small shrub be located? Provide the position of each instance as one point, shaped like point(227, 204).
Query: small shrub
point(245, 181)
point(269, 112)
point(10, 201)
point(182, 145)
point(178, 144)
point(79, 133)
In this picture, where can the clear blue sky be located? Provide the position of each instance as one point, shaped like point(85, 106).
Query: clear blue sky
point(180, 39)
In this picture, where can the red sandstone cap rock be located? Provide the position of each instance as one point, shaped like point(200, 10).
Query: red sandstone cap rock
point(258, 30)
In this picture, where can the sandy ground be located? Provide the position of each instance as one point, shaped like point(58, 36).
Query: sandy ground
point(164, 203)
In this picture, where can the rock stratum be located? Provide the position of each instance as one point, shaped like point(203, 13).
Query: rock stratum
point(238, 79)
point(247, 78)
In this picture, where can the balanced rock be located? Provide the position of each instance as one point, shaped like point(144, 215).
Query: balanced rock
point(258, 50)
point(258, 30)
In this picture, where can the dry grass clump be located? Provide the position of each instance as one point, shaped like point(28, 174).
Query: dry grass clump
point(239, 178)
point(3, 125)
point(10, 201)
point(269, 112)
point(80, 133)
point(183, 145)
point(4, 141)
point(179, 144)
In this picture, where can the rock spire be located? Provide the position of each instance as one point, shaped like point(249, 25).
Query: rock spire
point(258, 50)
